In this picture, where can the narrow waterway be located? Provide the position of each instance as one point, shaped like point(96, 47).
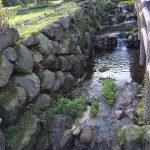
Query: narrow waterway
point(122, 65)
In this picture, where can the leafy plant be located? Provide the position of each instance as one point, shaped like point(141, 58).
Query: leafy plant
point(94, 108)
point(121, 137)
point(72, 109)
point(108, 90)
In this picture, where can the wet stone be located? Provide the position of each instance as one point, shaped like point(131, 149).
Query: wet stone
point(126, 102)
point(77, 131)
point(118, 114)
point(130, 113)
point(139, 111)
point(86, 135)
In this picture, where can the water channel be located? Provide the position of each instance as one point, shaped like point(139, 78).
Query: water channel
point(121, 64)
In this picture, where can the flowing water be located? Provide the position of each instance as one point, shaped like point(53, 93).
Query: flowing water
point(121, 64)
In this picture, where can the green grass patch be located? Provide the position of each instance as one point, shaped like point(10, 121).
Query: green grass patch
point(108, 91)
point(33, 13)
point(72, 109)
point(122, 2)
point(140, 117)
point(94, 109)
point(121, 137)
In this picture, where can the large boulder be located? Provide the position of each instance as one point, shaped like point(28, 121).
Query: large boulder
point(45, 46)
point(57, 126)
point(6, 70)
point(59, 80)
point(52, 63)
point(78, 14)
point(47, 79)
point(69, 43)
point(66, 141)
point(24, 134)
point(58, 122)
point(53, 31)
point(64, 63)
point(43, 143)
point(24, 63)
point(2, 141)
point(105, 42)
point(31, 84)
point(31, 41)
point(42, 101)
point(69, 81)
point(86, 135)
point(74, 41)
point(133, 136)
point(37, 57)
point(8, 36)
point(10, 54)
point(12, 103)
point(78, 53)
point(55, 48)
point(77, 66)
point(64, 22)
point(65, 44)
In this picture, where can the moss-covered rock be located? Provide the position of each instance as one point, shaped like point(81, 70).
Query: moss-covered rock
point(12, 103)
point(52, 63)
point(24, 63)
point(45, 45)
point(23, 135)
point(69, 81)
point(133, 136)
point(47, 78)
point(6, 70)
point(31, 84)
point(53, 31)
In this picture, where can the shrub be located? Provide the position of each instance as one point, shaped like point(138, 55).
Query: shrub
point(94, 108)
point(72, 109)
point(108, 90)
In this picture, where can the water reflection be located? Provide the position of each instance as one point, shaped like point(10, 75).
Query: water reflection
point(123, 65)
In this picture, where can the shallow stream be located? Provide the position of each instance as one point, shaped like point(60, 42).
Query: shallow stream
point(122, 65)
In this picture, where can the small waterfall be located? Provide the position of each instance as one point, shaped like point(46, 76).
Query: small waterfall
point(121, 42)
point(129, 21)
point(124, 10)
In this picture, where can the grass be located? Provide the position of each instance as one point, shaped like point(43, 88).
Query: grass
point(122, 2)
point(121, 137)
point(94, 108)
point(108, 91)
point(36, 25)
point(72, 109)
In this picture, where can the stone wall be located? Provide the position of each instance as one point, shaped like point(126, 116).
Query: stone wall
point(40, 66)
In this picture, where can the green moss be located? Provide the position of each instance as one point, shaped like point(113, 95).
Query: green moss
point(94, 108)
point(7, 93)
point(15, 134)
point(108, 91)
point(72, 109)
point(121, 137)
